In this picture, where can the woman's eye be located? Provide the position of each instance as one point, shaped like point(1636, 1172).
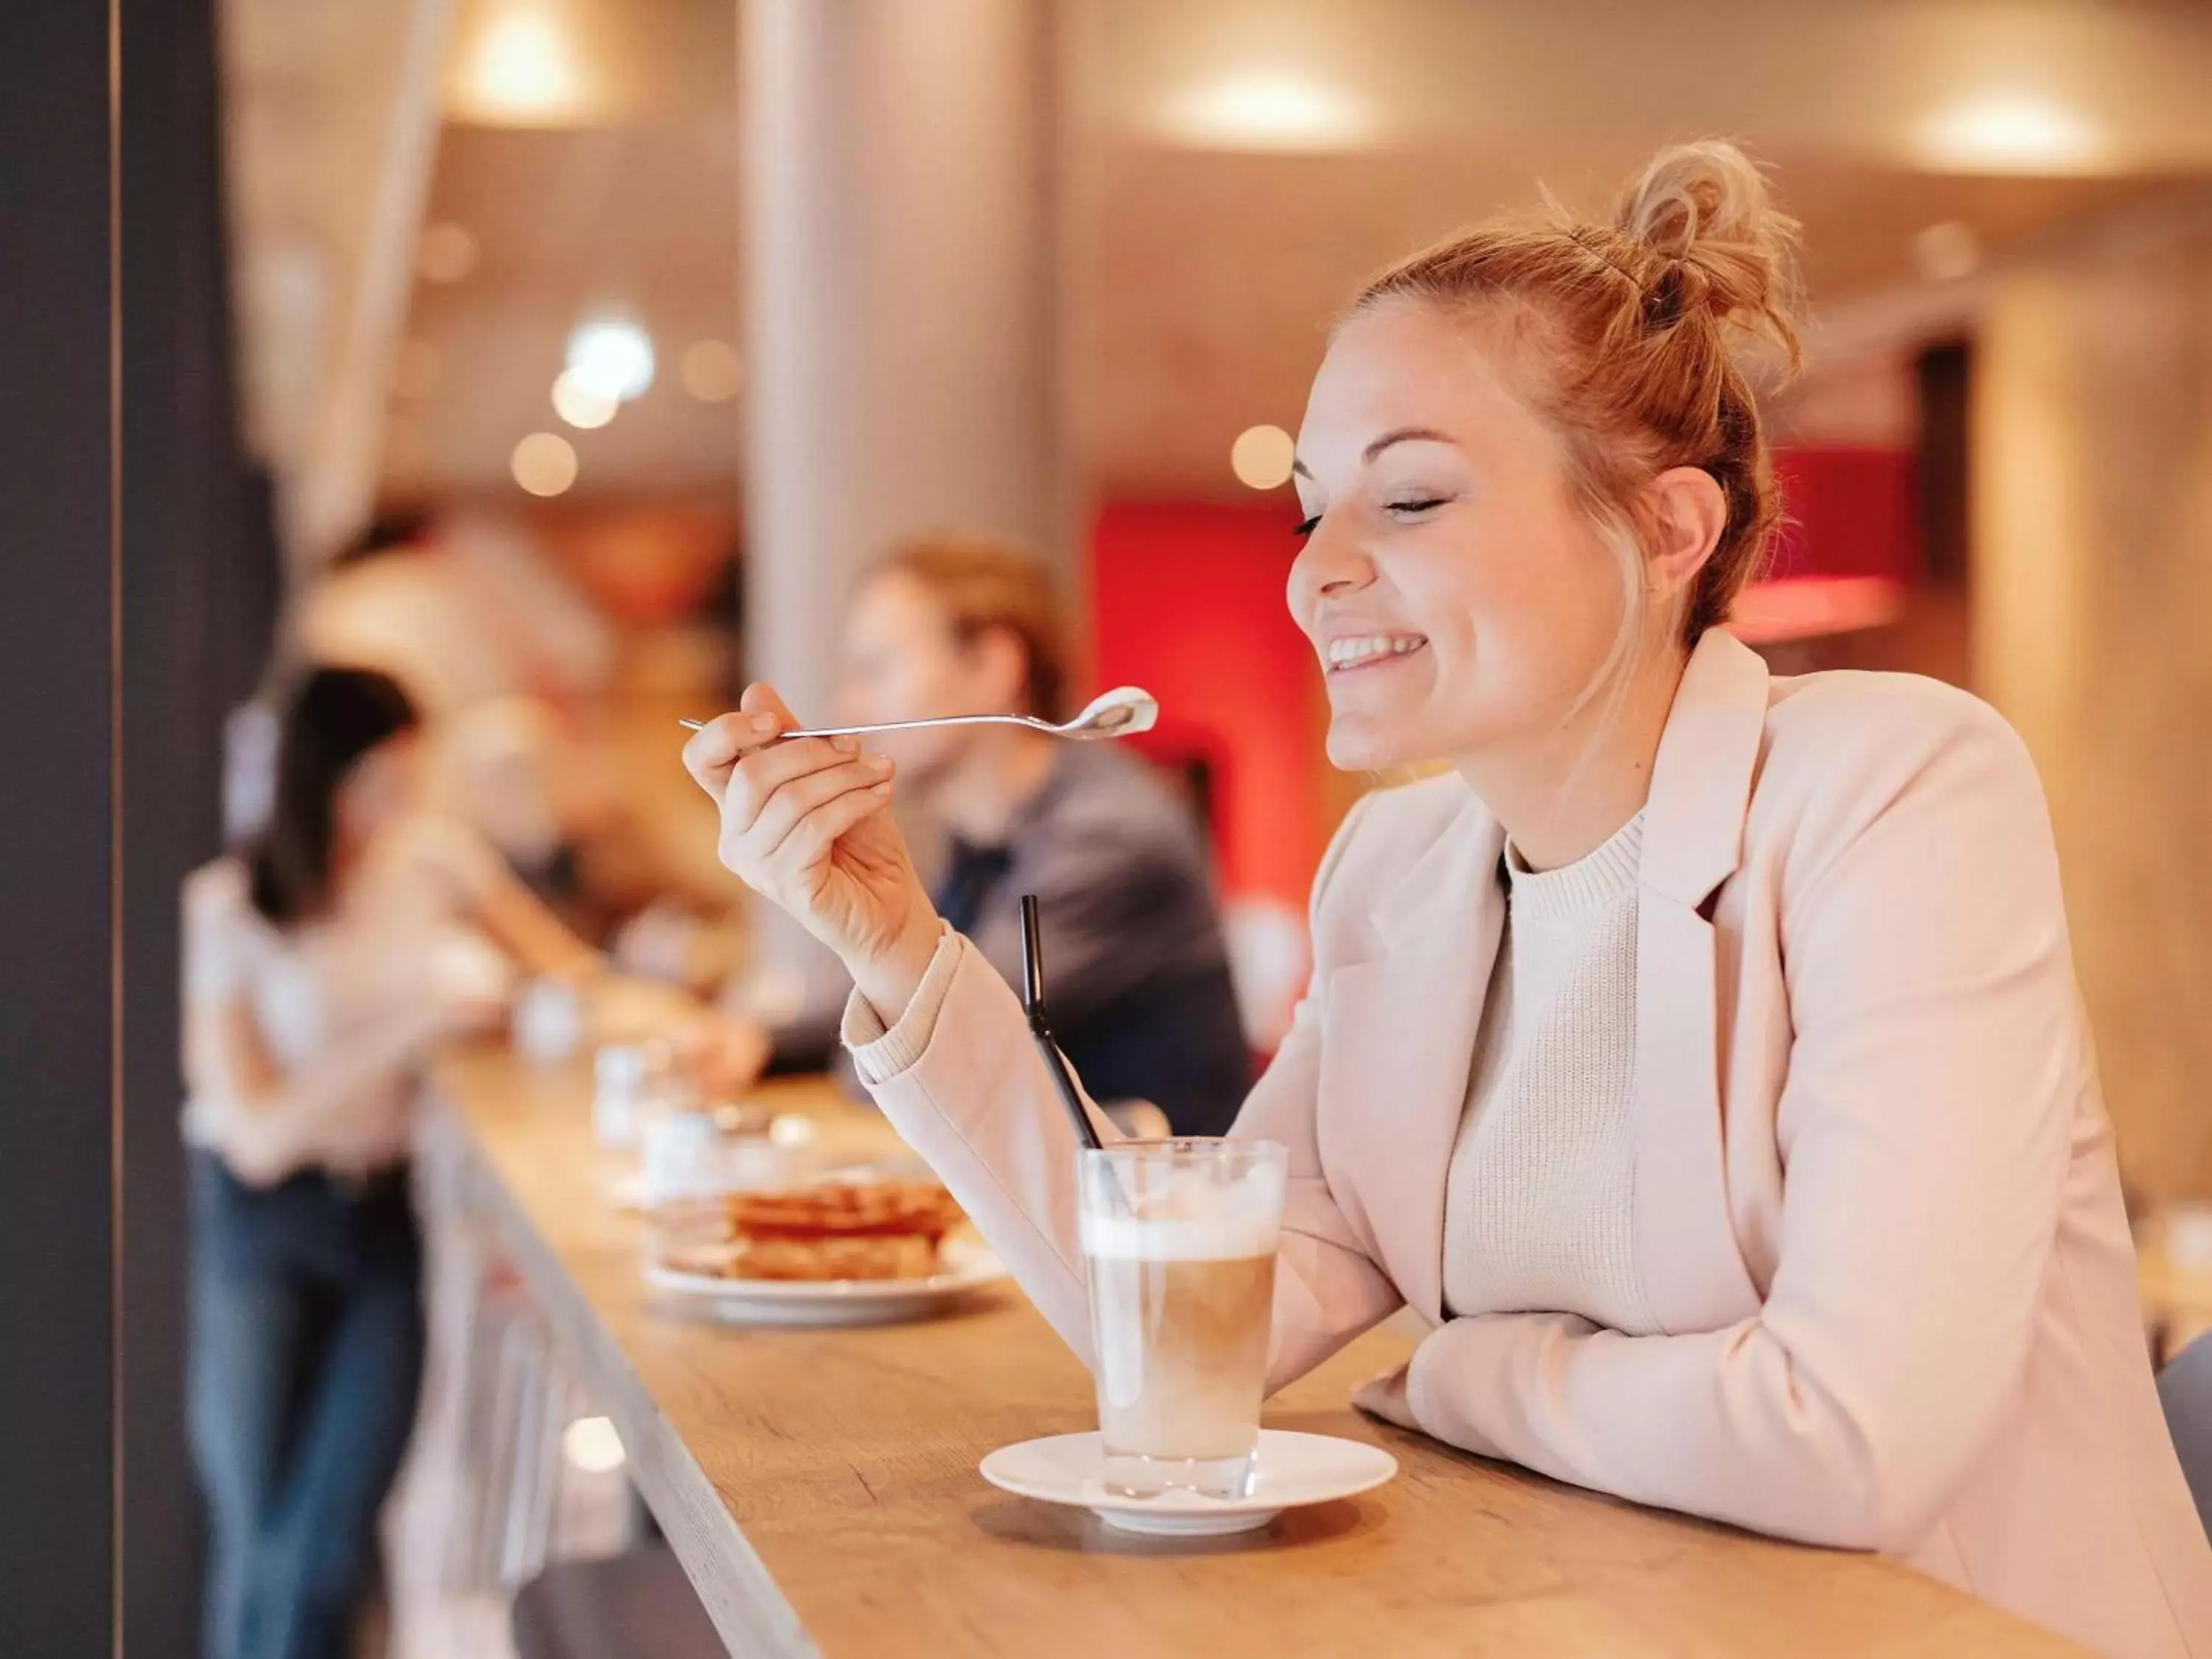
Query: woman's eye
point(1306, 527)
point(1417, 504)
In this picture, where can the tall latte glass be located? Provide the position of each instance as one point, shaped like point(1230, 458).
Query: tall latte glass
point(1179, 1240)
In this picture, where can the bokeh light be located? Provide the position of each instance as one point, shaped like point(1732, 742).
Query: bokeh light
point(544, 463)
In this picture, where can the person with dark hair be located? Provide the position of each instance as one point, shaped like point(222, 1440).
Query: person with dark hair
point(1142, 999)
point(325, 958)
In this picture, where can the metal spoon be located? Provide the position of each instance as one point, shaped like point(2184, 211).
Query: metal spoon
point(1121, 713)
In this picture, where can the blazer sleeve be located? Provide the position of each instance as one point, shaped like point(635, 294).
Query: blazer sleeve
point(977, 1103)
point(1925, 1130)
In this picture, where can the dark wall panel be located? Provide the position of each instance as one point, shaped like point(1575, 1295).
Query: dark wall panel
point(56, 1561)
point(199, 574)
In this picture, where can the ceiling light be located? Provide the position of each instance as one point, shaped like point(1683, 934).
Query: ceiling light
point(592, 1446)
point(613, 356)
point(1944, 253)
point(522, 67)
point(711, 371)
point(1267, 110)
point(2011, 131)
point(1261, 457)
point(581, 403)
point(445, 253)
point(544, 463)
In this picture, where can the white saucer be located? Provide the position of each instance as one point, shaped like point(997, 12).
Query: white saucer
point(1293, 1470)
point(833, 1302)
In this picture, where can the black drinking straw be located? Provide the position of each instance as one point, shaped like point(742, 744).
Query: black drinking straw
point(1033, 1006)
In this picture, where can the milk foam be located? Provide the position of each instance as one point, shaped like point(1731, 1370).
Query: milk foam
point(1126, 1238)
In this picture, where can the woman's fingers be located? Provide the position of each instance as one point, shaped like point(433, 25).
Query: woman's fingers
point(715, 747)
point(814, 835)
point(790, 803)
point(762, 698)
point(762, 775)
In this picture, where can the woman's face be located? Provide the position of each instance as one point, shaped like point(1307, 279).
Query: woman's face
point(383, 785)
point(1461, 603)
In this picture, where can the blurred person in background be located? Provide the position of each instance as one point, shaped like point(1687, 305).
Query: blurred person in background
point(324, 960)
point(1140, 991)
point(459, 611)
point(501, 768)
point(509, 665)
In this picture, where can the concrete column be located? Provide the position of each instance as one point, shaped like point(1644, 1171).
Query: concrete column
point(899, 330)
point(2093, 580)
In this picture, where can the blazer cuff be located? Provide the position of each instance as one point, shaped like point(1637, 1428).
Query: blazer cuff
point(1448, 1377)
point(880, 1053)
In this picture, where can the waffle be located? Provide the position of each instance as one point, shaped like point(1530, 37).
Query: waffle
point(833, 1230)
point(845, 1209)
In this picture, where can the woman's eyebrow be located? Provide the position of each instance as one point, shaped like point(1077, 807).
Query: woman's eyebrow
point(1403, 434)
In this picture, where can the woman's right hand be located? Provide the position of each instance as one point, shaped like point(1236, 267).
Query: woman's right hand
point(807, 825)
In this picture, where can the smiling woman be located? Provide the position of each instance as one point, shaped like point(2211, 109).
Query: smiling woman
point(1699, 1055)
point(1582, 489)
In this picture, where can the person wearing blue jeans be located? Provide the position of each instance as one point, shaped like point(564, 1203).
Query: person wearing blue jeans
point(325, 962)
point(307, 1362)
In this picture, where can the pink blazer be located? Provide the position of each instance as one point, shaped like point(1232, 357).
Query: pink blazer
point(1876, 1210)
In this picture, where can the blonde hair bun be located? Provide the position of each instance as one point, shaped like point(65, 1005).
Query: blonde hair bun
point(1706, 210)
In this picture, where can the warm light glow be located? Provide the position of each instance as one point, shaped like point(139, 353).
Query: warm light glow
point(1261, 457)
point(581, 404)
point(613, 356)
point(447, 253)
point(1267, 110)
point(544, 463)
point(524, 66)
point(415, 369)
point(1807, 607)
point(2013, 132)
point(711, 371)
point(592, 1446)
point(1946, 251)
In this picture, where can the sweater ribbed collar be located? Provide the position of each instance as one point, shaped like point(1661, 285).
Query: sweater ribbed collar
point(1596, 878)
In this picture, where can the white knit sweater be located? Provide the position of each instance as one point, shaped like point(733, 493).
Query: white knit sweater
point(1540, 1202)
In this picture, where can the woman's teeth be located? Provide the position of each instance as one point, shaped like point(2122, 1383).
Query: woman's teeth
point(1357, 651)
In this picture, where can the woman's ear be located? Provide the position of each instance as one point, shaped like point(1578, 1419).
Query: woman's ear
point(1688, 512)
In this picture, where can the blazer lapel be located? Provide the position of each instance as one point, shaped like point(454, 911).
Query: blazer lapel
point(1693, 1273)
point(1399, 1035)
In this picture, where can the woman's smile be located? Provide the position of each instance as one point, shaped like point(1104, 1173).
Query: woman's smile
point(1349, 653)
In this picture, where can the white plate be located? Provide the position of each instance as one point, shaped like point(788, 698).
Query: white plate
point(968, 1266)
point(1293, 1470)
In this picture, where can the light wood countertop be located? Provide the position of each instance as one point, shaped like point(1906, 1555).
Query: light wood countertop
point(820, 1486)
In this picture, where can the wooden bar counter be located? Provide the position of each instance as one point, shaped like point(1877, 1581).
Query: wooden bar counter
point(820, 1487)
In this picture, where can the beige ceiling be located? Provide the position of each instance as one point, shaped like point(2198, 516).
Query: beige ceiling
point(1202, 272)
point(1213, 276)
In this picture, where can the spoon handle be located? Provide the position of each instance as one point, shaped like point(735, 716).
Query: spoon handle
point(898, 726)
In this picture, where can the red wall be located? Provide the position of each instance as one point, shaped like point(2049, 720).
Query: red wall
point(1851, 512)
point(1186, 601)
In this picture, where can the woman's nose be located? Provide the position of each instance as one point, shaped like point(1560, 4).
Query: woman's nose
point(1328, 565)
